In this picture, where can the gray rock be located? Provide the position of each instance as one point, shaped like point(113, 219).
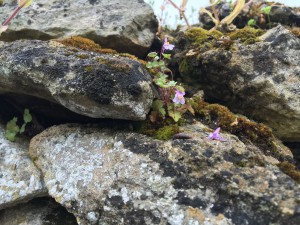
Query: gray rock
point(261, 80)
point(107, 177)
point(40, 211)
point(20, 180)
point(88, 83)
point(127, 26)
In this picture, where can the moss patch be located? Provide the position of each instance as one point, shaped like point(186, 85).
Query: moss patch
point(200, 37)
point(163, 130)
point(290, 170)
point(247, 35)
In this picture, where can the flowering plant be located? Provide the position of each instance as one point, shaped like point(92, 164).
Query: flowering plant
point(21, 4)
point(172, 102)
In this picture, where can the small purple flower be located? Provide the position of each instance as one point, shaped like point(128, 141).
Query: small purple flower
point(167, 46)
point(216, 135)
point(179, 99)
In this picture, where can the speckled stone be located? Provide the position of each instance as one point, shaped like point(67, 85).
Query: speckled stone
point(110, 177)
point(96, 85)
point(20, 180)
point(127, 26)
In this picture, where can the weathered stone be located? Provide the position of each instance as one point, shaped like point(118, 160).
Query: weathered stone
point(88, 83)
point(261, 80)
point(114, 177)
point(40, 211)
point(20, 180)
point(127, 26)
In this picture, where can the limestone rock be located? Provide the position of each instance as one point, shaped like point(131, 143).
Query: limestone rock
point(127, 26)
point(40, 211)
point(261, 80)
point(20, 180)
point(88, 83)
point(113, 177)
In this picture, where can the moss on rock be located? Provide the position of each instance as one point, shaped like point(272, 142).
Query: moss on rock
point(247, 35)
point(290, 170)
point(200, 37)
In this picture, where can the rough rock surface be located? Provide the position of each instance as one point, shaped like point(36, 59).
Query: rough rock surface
point(261, 80)
point(40, 211)
point(105, 177)
point(20, 180)
point(127, 26)
point(88, 83)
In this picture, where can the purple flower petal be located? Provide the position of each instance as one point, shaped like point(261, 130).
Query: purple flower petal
point(216, 135)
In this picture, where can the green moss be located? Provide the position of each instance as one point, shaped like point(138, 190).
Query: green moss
point(1, 2)
point(163, 130)
point(166, 132)
point(290, 170)
point(247, 35)
point(200, 37)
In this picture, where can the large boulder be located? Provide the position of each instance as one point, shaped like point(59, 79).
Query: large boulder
point(260, 80)
point(127, 26)
point(20, 180)
point(88, 83)
point(117, 177)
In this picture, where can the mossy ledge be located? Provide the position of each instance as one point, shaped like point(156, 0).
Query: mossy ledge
point(89, 45)
point(290, 170)
point(257, 133)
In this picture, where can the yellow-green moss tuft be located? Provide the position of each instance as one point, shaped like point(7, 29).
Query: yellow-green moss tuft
point(247, 35)
point(85, 44)
point(290, 170)
point(199, 36)
point(166, 132)
point(1, 2)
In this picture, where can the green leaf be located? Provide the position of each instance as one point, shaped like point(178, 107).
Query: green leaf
point(161, 63)
point(167, 56)
point(266, 10)
point(252, 22)
point(158, 106)
point(27, 116)
point(173, 113)
point(12, 129)
point(152, 54)
point(12, 125)
point(149, 65)
point(22, 128)
point(155, 64)
point(11, 136)
point(171, 83)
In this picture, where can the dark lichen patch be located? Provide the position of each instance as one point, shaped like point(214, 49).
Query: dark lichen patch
point(290, 170)
point(184, 199)
point(247, 35)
